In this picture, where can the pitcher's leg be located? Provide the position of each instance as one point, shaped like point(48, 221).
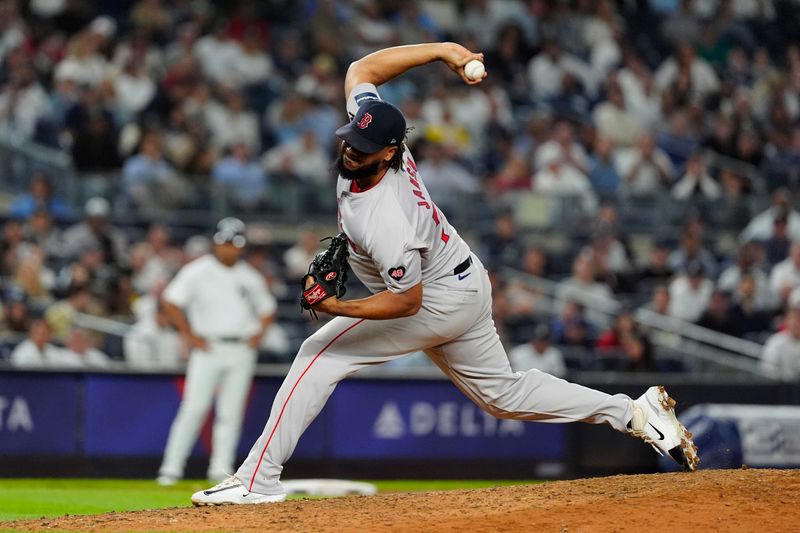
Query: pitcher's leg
point(231, 397)
point(481, 370)
point(338, 349)
point(477, 363)
point(202, 373)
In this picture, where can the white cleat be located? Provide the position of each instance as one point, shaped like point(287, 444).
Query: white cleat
point(231, 491)
point(654, 421)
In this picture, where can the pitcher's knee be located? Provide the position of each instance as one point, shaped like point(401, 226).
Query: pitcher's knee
point(311, 347)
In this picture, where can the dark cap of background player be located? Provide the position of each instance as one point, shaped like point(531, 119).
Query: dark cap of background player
point(377, 125)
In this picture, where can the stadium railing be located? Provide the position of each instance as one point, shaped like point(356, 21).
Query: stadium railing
point(699, 346)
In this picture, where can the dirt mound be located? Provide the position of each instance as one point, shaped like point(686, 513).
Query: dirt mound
point(719, 500)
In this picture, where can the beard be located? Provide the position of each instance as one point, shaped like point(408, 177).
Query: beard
point(359, 173)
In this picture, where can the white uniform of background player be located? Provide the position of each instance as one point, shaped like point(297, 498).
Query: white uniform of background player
point(429, 293)
point(222, 308)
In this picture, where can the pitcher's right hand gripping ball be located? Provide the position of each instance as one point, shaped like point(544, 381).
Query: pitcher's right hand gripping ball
point(328, 270)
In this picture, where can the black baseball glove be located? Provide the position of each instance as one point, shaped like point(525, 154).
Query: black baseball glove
point(329, 272)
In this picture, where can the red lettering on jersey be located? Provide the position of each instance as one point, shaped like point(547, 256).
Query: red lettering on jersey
point(436, 217)
point(445, 237)
point(415, 183)
point(426, 204)
point(411, 164)
point(419, 194)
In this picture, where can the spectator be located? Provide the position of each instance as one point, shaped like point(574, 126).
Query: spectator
point(42, 233)
point(611, 340)
point(133, 90)
point(696, 181)
point(548, 67)
point(11, 246)
point(79, 347)
point(638, 350)
point(34, 278)
point(241, 178)
point(563, 180)
point(645, 169)
point(614, 121)
point(36, 350)
point(40, 197)
point(299, 256)
point(503, 246)
point(659, 300)
point(153, 344)
point(762, 226)
point(701, 76)
point(445, 179)
point(23, 102)
point(61, 315)
point(729, 279)
point(785, 276)
point(538, 353)
point(217, 53)
point(690, 293)
point(746, 314)
point(571, 328)
point(583, 288)
point(562, 148)
point(513, 176)
point(232, 123)
point(717, 315)
point(610, 259)
point(147, 269)
point(691, 249)
point(781, 356)
point(777, 246)
point(149, 181)
point(96, 231)
point(91, 132)
point(302, 158)
point(603, 173)
point(657, 270)
point(17, 317)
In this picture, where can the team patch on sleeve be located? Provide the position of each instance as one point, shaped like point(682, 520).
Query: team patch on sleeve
point(397, 273)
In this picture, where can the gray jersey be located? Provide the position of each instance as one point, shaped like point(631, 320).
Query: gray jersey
point(398, 237)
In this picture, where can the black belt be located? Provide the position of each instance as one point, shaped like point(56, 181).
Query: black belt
point(229, 339)
point(462, 267)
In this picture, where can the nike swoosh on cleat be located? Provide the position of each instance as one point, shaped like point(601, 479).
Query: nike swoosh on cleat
point(462, 276)
point(214, 491)
point(660, 435)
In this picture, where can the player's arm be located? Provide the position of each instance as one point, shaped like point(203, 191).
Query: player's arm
point(381, 306)
point(379, 67)
point(178, 319)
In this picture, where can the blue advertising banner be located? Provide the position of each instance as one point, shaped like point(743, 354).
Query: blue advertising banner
point(39, 414)
point(130, 415)
point(430, 420)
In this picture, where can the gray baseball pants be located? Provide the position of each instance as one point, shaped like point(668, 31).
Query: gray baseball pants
point(455, 329)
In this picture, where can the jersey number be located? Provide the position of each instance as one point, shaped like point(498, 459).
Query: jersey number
point(411, 168)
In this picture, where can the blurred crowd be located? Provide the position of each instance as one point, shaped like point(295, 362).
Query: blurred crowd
point(618, 108)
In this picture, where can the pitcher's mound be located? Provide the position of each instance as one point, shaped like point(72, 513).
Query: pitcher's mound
point(710, 500)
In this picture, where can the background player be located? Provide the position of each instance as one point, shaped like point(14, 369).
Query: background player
point(222, 308)
point(429, 293)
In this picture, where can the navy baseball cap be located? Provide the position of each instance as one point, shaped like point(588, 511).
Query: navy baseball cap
point(377, 125)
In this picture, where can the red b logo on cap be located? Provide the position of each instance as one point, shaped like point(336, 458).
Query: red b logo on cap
point(365, 121)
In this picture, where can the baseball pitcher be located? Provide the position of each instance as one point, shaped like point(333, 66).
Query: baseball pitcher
point(429, 292)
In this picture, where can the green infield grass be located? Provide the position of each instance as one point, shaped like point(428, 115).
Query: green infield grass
point(37, 498)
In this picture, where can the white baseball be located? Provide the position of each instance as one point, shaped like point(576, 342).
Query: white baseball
point(474, 70)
